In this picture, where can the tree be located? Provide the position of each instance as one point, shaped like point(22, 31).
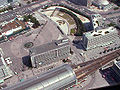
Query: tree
point(25, 18)
point(111, 24)
point(34, 0)
point(116, 8)
point(28, 2)
point(10, 7)
point(80, 26)
point(19, 4)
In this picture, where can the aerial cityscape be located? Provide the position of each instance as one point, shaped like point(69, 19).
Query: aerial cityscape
point(59, 44)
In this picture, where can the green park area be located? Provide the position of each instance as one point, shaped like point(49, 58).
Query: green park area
point(30, 18)
point(6, 9)
point(66, 17)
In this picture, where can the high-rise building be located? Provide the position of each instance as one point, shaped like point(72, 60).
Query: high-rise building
point(102, 4)
point(9, 1)
point(50, 52)
point(97, 21)
point(116, 69)
point(6, 2)
point(82, 2)
point(99, 38)
point(3, 2)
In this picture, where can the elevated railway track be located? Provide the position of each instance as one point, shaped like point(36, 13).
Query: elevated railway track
point(93, 65)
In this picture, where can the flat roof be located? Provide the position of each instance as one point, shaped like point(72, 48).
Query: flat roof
point(12, 25)
point(49, 46)
point(93, 34)
point(3, 2)
point(51, 79)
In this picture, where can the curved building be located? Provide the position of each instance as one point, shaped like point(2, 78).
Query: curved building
point(55, 79)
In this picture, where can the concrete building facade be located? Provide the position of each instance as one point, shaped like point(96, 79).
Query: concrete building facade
point(99, 38)
point(50, 52)
point(102, 4)
point(6, 2)
point(116, 69)
point(97, 21)
point(82, 2)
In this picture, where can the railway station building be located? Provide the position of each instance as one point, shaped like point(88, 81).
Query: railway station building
point(58, 78)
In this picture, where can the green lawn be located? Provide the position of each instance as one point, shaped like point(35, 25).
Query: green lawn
point(67, 17)
point(72, 31)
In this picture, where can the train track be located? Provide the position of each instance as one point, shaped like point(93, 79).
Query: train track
point(95, 64)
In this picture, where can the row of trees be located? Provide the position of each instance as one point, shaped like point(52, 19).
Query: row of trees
point(32, 19)
point(68, 7)
point(6, 9)
point(80, 26)
point(28, 2)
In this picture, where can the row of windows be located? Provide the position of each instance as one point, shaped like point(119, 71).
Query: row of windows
point(101, 40)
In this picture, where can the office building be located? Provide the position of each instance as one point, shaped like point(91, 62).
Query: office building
point(6, 2)
point(116, 69)
point(50, 52)
point(97, 21)
point(56, 79)
point(3, 2)
point(82, 2)
point(5, 72)
point(102, 4)
point(100, 38)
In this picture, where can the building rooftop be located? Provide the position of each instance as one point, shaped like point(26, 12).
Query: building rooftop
point(51, 80)
point(49, 46)
point(102, 32)
point(3, 2)
point(3, 71)
point(117, 63)
point(101, 2)
point(12, 25)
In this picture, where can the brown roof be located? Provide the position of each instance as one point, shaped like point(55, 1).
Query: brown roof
point(13, 25)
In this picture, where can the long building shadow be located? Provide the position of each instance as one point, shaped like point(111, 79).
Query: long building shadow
point(109, 76)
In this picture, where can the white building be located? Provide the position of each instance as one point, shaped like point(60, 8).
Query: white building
point(6, 2)
point(9, 28)
point(97, 21)
point(102, 4)
point(99, 38)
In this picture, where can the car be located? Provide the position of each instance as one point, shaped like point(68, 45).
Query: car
point(103, 76)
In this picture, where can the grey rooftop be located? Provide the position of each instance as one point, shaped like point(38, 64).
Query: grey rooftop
point(52, 80)
point(49, 46)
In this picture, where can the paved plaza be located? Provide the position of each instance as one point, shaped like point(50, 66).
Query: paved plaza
point(15, 48)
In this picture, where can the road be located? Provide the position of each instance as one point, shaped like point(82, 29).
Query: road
point(28, 9)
